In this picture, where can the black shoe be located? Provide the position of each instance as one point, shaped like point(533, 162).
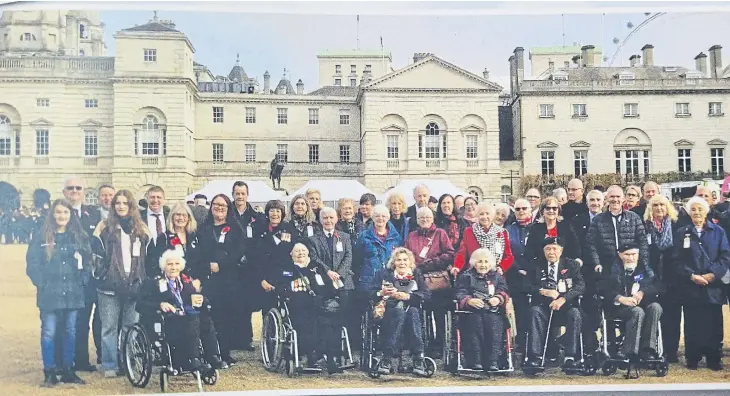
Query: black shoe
point(569, 364)
point(217, 363)
point(230, 361)
point(419, 366)
point(531, 363)
point(69, 377)
point(714, 365)
point(86, 368)
point(50, 378)
point(477, 367)
point(194, 364)
point(672, 358)
point(385, 366)
point(333, 366)
point(493, 366)
point(692, 364)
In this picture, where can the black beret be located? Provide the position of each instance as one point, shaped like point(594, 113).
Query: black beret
point(552, 241)
point(628, 246)
point(201, 196)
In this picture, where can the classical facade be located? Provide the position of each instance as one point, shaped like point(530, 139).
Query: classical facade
point(577, 117)
point(153, 115)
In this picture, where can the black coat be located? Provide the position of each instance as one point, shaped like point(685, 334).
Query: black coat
point(572, 209)
point(568, 271)
point(660, 261)
point(317, 294)
point(601, 239)
point(155, 291)
point(617, 284)
point(59, 281)
point(272, 255)
point(418, 296)
point(228, 254)
point(538, 233)
point(191, 251)
point(469, 283)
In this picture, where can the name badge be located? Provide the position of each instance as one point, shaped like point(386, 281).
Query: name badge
point(163, 285)
point(424, 252)
point(222, 238)
point(79, 260)
point(136, 248)
point(561, 286)
point(490, 289)
point(179, 249)
point(635, 288)
point(569, 283)
point(286, 237)
point(648, 239)
point(338, 247)
point(249, 232)
point(686, 241)
point(310, 230)
point(318, 279)
point(277, 240)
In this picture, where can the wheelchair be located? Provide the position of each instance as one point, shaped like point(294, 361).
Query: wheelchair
point(144, 348)
point(453, 350)
point(610, 343)
point(280, 348)
point(585, 367)
point(371, 342)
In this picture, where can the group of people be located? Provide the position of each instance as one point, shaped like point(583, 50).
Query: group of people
point(635, 258)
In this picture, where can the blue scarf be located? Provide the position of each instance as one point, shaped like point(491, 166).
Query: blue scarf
point(662, 239)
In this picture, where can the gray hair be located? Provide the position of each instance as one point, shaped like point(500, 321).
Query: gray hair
point(381, 210)
point(172, 254)
point(419, 187)
point(695, 201)
point(502, 207)
point(481, 253)
point(560, 193)
point(485, 206)
point(523, 200)
point(327, 210)
point(72, 178)
point(423, 211)
point(594, 193)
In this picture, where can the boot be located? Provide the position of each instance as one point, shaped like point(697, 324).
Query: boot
point(50, 379)
point(70, 377)
point(217, 363)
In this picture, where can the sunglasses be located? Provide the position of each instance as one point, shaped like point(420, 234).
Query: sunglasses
point(522, 208)
point(554, 208)
point(71, 188)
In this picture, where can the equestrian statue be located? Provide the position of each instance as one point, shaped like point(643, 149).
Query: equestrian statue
point(277, 167)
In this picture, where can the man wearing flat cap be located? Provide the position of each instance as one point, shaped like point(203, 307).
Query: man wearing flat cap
point(555, 284)
point(630, 294)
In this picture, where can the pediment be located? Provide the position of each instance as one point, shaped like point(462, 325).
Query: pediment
point(471, 128)
point(90, 124)
point(547, 145)
point(392, 128)
point(41, 122)
point(717, 142)
point(580, 144)
point(683, 143)
point(432, 73)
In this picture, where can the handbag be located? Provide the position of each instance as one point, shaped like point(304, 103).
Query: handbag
point(437, 280)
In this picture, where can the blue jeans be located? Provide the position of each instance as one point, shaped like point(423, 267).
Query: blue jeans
point(114, 311)
point(402, 326)
point(49, 322)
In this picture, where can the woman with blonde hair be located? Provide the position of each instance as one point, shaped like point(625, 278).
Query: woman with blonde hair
point(302, 217)
point(180, 235)
point(634, 202)
point(396, 204)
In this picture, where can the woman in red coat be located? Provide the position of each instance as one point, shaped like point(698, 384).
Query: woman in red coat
point(484, 234)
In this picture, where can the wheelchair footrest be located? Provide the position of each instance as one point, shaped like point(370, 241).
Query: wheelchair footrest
point(347, 366)
point(311, 370)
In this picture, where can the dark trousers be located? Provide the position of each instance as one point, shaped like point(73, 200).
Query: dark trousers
point(402, 326)
point(591, 310)
point(223, 311)
point(437, 305)
point(208, 336)
point(641, 325)
point(703, 332)
point(522, 317)
point(671, 323)
point(182, 334)
point(569, 316)
point(485, 336)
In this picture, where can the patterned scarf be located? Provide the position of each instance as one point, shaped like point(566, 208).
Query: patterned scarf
point(491, 239)
point(175, 286)
point(300, 223)
point(453, 231)
point(662, 238)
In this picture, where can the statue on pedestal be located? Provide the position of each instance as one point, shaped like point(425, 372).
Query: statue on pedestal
point(277, 167)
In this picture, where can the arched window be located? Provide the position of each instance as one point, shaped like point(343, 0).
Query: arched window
point(150, 139)
point(475, 192)
point(6, 136)
point(432, 143)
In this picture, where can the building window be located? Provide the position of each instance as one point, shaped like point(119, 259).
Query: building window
point(150, 136)
point(250, 115)
point(91, 144)
point(344, 154)
point(632, 162)
point(41, 142)
point(431, 143)
point(684, 159)
point(217, 115)
point(580, 162)
point(338, 69)
point(338, 82)
point(353, 82)
point(715, 109)
point(282, 150)
point(368, 68)
point(344, 119)
point(471, 147)
point(150, 55)
point(250, 153)
point(579, 110)
point(631, 109)
point(17, 143)
point(547, 163)
point(91, 197)
point(218, 153)
point(392, 147)
point(682, 109)
point(91, 103)
point(717, 161)
point(546, 111)
point(281, 116)
point(353, 69)
point(5, 135)
point(313, 153)
point(313, 116)
point(43, 102)
point(27, 37)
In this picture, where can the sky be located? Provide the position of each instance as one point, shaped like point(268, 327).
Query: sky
point(275, 41)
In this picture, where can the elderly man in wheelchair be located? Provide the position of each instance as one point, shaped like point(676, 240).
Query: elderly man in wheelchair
point(186, 323)
point(554, 287)
point(482, 291)
point(630, 294)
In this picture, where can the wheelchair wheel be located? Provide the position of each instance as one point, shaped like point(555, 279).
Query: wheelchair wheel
point(210, 377)
point(137, 354)
point(291, 369)
point(164, 381)
point(662, 369)
point(430, 367)
point(272, 340)
point(608, 368)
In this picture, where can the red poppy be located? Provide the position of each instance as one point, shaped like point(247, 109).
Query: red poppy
point(563, 271)
point(226, 229)
point(253, 220)
point(86, 213)
point(175, 241)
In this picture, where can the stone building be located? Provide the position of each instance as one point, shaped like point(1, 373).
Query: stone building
point(581, 117)
point(153, 115)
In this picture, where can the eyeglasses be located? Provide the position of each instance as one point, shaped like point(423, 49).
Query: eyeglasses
point(215, 205)
point(632, 195)
point(71, 188)
point(553, 208)
point(522, 209)
point(574, 189)
point(533, 197)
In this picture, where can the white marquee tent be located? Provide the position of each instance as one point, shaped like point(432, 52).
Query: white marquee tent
point(437, 188)
point(259, 191)
point(333, 190)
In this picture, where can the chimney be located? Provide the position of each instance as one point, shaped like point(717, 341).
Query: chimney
point(715, 61)
point(485, 73)
point(267, 83)
point(632, 60)
point(512, 75)
point(587, 53)
point(701, 64)
point(648, 52)
point(576, 60)
point(300, 87)
point(551, 66)
point(520, 64)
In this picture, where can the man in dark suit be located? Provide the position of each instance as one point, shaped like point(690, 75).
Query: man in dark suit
point(555, 284)
point(576, 204)
point(155, 217)
point(421, 195)
point(200, 212)
point(90, 217)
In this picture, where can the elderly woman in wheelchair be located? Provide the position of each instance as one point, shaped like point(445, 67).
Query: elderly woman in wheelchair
point(172, 325)
point(481, 293)
point(312, 305)
point(630, 302)
point(398, 310)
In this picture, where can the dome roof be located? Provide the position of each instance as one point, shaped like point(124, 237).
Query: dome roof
point(237, 73)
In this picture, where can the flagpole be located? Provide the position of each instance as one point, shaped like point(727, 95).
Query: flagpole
point(358, 32)
point(382, 54)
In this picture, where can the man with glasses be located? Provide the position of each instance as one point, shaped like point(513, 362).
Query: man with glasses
point(576, 201)
point(534, 198)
